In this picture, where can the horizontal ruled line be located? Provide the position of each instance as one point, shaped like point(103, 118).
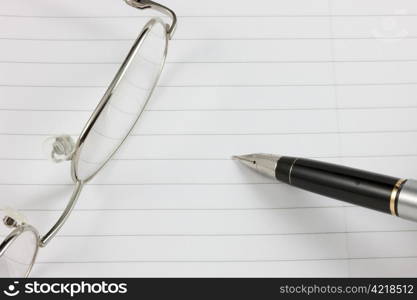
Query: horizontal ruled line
point(220, 159)
point(139, 16)
point(330, 84)
point(222, 62)
point(332, 108)
point(145, 184)
point(225, 261)
point(234, 234)
point(236, 134)
point(185, 209)
point(214, 39)
point(210, 235)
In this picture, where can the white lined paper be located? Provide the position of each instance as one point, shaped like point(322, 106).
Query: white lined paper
point(310, 78)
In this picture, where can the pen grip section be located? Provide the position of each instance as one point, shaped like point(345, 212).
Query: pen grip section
point(367, 189)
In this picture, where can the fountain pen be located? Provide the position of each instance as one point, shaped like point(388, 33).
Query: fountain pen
point(383, 193)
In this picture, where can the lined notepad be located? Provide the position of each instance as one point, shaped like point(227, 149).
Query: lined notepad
point(325, 79)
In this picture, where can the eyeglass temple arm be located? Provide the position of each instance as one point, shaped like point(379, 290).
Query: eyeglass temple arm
point(144, 4)
point(64, 216)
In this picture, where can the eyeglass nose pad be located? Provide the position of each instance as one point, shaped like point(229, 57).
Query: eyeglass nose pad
point(59, 148)
point(13, 218)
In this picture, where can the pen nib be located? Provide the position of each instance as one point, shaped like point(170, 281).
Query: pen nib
point(247, 159)
point(264, 163)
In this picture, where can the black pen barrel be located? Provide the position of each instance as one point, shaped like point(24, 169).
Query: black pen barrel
point(359, 187)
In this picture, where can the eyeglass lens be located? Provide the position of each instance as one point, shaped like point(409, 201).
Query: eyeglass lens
point(125, 104)
point(17, 259)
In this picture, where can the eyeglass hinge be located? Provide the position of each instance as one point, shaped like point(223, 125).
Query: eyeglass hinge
point(144, 4)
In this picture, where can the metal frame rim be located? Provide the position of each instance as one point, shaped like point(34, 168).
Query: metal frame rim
point(107, 96)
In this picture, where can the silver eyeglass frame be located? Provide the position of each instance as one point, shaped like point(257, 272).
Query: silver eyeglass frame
point(75, 156)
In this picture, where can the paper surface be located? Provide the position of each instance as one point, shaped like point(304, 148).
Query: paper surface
point(332, 80)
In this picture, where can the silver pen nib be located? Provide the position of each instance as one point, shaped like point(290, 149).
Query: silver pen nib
point(263, 163)
point(247, 159)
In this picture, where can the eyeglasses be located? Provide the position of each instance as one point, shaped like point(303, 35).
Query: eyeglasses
point(106, 130)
